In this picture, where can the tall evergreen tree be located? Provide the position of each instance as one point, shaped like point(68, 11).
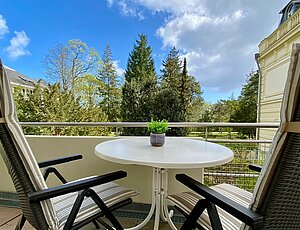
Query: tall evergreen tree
point(190, 94)
point(140, 86)
point(169, 103)
point(171, 72)
point(184, 90)
point(110, 93)
point(247, 103)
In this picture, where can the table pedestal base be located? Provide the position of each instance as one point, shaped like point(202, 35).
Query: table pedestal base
point(159, 201)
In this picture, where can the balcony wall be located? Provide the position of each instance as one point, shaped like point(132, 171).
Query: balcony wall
point(48, 147)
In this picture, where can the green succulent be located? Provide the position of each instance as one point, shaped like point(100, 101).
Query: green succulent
point(158, 127)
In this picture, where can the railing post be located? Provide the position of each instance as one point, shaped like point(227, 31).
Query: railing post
point(206, 133)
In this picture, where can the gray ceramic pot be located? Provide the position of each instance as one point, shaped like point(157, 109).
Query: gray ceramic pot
point(157, 140)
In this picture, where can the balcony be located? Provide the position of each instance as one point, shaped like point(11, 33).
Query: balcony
point(46, 147)
point(284, 32)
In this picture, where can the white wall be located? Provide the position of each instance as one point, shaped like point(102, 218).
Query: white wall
point(48, 147)
point(275, 52)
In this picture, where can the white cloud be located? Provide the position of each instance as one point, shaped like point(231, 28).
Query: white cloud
point(220, 44)
point(210, 71)
point(173, 6)
point(110, 3)
point(3, 27)
point(128, 8)
point(18, 45)
point(120, 71)
point(189, 29)
point(214, 58)
point(170, 6)
point(219, 38)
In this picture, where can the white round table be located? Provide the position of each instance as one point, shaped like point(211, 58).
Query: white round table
point(177, 153)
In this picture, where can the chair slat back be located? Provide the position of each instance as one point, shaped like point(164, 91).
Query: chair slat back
point(20, 161)
point(277, 192)
point(33, 212)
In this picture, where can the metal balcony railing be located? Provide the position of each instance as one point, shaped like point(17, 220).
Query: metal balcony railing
point(247, 151)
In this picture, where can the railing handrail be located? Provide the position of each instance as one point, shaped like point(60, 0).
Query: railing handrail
point(247, 150)
point(144, 124)
point(239, 141)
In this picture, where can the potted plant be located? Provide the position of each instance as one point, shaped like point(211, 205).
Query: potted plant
point(157, 131)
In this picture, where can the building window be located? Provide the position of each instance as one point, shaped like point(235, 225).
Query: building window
point(291, 10)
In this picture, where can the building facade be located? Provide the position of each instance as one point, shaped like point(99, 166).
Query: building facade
point(274, 59)
point(22, 82)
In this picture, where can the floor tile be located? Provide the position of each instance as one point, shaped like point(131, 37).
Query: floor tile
point(9, 218)
point(7, 214)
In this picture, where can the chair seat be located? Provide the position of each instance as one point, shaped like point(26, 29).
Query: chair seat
point(111, 193)
point(187, 200)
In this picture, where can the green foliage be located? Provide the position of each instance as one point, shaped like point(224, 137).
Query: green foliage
point(190, 93)
point(52, 104)
point(179, 97)
point(66, 63)
point(172, 70)
point(224, 110)
point(86, 90)
point(247, 104)
point(243, 109)
point(247, 110)
point(204, 114)
point(158, 127)
point(140, 87)
point(167, 105)
point(109, 91)
point(29, 108)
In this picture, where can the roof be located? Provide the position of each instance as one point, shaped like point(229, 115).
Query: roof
point(292, 1)
point(289, 10)
point(17, 78)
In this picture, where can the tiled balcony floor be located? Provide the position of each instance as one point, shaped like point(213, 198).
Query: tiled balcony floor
point(10, 216)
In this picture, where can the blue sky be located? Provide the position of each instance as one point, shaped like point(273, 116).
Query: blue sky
point(219, 38)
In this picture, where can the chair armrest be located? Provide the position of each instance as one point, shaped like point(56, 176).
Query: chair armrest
point(74, 186)
point(244, 214)
point(61, 160)
point(256, 168)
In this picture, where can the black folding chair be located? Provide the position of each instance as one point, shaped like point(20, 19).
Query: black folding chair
point(275, 202)
point(68, 206)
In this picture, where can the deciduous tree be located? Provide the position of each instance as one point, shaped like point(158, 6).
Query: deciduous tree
point(65, 64)
point(247, 103)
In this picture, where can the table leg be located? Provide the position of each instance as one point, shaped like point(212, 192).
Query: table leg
point(153, 204)
point(201, 179)
point(166, 214)
point(157, 197)
point(163, 191)
point(159, 202)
